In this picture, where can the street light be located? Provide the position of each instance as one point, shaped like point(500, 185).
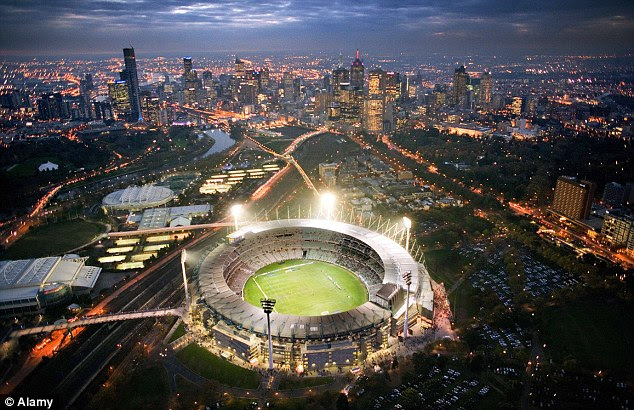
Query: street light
point(408, 225)
point(183, 259)
point(407, 276)
point(328, 200)
point(267, 305)
point(236, 211)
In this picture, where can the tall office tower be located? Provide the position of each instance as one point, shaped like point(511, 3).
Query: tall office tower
point(340, 75)
point(191, 84)
point(614, 194)
point(516, 105)
point(350, 100)
point(265, 78)
point(52, 106)
point(288, 84)
point(118, 93)
point(357, 72)
point(328, 173)
point(188, 65)
point(460, 81)
point(486, 89)
point(376, 82)
point(573, 198)
point(393, 86)
point(208, 80)
point(132, 80)
point(373, 112)
point(239, 68)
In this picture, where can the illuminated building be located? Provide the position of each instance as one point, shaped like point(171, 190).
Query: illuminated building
point(132, 81)
point(460, 81)
point(573, 198)
point(289, 86)
point(516, 106)
point(393, 86)
point(52, 106)
point(328, 173)
point(486, 89)
point(618, 229)
point(377, 114)
point(357, 72)
point(376, 82)
point(192, 84)
point(118, 93)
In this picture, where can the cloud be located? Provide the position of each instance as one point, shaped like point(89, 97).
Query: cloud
point(50, 26)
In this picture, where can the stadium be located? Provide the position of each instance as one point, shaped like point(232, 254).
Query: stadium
point(339, 290)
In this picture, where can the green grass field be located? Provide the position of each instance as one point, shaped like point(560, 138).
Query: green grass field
point(210, 366)
point(305, 287)
point(53, 239)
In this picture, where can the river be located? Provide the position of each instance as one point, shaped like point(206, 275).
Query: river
point(222, 141)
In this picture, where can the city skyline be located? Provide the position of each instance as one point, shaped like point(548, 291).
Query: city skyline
point(33, 28)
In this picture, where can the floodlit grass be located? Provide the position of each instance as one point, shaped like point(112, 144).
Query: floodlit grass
point(306, 288)
point(160, 238)
point(290, 383)
point(144, 388)
point(211, 366)
point(597, 334)
point(140, 257)
point(130, 265)
point(53, 239)
point(179, 332)
point(154, 248)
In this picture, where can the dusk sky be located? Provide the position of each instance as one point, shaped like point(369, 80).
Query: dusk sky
point(54, 27)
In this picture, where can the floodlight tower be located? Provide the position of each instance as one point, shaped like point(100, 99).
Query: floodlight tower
point(408, 225)
point(183, 259)
point(267, 305)
point(407, 276)
point(328, 200)
point(236, 211)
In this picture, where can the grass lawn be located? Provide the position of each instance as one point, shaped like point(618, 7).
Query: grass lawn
point(210, 366)
point(53, 239)
point(597, 334)
point(179, 332)
point(30, 166)
point(306, 287)
point(289, 383)
point(144, 388)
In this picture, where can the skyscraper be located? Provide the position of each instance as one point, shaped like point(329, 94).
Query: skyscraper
point(132, 80)
point(486, 89)
point(573, 198)
point(376, 82)
point(460, 81)
point(357, 72)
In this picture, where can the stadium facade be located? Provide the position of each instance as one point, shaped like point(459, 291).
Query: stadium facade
point(314, 342)
point(30, 285)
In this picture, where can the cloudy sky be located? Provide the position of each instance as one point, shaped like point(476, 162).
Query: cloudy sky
point(56, 27)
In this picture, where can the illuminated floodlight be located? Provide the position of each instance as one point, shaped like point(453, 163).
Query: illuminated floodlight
point(236, 211)
point(407, 277)
point(328, 201)
point(408, 225)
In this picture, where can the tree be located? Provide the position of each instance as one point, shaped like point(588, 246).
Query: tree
point(342, 402)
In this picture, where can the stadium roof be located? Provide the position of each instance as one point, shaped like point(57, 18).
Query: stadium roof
point(135, 197)
point(23, 279)
point(242, 314)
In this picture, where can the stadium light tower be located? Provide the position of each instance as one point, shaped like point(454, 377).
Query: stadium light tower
point(328, 200)
point(267, 305)
point(408, 225)
point(236, 211)
point(183, 259)
point(407, 276)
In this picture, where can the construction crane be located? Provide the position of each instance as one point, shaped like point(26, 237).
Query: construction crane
point(289, 159)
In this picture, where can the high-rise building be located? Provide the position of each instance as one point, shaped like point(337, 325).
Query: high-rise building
point(573, 198)
point(393, 86)
point(188, 66)
point(132, 81)
point(340, 76)
point(376, 82)
point(378, 114)
point(51, 106)
point(486, 89)
point(516, 106)
point(288, 84)
point(118, 93)
point(357, 72)
point(191, 87)
point(614, 194)
point(460, 81)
